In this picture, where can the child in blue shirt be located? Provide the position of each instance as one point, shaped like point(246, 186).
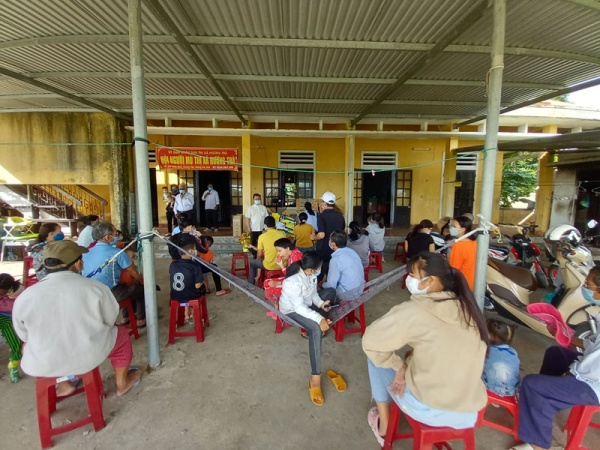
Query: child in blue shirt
point(501, 368)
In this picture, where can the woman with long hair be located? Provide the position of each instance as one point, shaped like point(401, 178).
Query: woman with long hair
point(448, 334)
point(49, 232)
point(419, 239)
point(463, 254)
point(311, 218)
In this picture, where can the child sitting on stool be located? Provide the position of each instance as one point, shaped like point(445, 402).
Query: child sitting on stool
point(187, 280)
point(501, 368)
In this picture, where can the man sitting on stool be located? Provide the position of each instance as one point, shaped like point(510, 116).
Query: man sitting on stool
point(265, 249)
point(345, 277)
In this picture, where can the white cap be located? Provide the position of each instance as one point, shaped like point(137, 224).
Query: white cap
point(329, 198)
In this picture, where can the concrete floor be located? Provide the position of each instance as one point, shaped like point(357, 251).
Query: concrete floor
point(243, 388)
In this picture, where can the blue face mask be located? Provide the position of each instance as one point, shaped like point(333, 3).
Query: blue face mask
point(59, 237)
point(115, 240)
point(588, 294)
point(210, 189)
point(257, 202)
point(182, 191)
point(317, 273)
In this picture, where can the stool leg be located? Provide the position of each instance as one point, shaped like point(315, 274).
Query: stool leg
point(470, 439)
point(199, 327)
point(44, 413)
point(392, 429)
point(278, 325)
point(94, 403)
point(363, 319)
point(204, 307)
point(173, 322)
point(575, 437)
point(339, 330)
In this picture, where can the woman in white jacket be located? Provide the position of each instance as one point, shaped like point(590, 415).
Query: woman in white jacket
point(300, 301)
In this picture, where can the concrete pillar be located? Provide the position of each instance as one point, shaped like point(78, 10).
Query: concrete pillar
point(247, 172)
point(543, 196)
point(121, 171)
point(564, 198)
point(449, 178)
point(349, 185)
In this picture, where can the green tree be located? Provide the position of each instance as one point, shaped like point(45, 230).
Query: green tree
point(519, 179)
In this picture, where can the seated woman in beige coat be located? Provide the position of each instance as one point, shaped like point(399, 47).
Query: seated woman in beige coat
point(440, 385)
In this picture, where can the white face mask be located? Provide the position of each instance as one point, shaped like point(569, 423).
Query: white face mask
point(257, 202)
point(412, 284)
point(454, 232)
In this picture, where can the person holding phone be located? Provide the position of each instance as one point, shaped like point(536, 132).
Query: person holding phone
point(300, 301)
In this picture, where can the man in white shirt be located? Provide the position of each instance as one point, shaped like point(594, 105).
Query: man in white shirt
point(184, 203)
point(211, 206)
point(68, 323)
point(255, 217)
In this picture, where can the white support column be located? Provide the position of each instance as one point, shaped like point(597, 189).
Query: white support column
point(350, 206)
point(491, 142)
point(142, 175)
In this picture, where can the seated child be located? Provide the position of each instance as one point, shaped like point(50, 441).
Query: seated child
point(501, 368)
point(186, 275)
point(209, 256)
point(9, 291)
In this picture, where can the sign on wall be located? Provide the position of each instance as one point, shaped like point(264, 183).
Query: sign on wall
point(195, 158)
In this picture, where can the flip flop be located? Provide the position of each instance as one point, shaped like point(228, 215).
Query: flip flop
point(139, 380)
point(373, 421)
point(337, 381)
point(316, 395)
point(524, 446)
point(223, 292)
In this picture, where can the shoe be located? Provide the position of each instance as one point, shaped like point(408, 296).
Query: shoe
point(337, 380)
point(373, 421)
point(316, 395)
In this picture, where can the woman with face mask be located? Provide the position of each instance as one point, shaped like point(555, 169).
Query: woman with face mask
point(448, 334)
point(543, 395)
point(463, 254)
point(300, 301)
point(48, 232)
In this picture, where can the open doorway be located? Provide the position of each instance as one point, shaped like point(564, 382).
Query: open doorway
point(221, 181)
point(376, 194)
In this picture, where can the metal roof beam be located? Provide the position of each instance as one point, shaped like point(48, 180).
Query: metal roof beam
point(297, 43)
point(541, 98)
point(590, 4)
point(162, 15)
point(62, 93)
point(460, 27)
point(289, 79)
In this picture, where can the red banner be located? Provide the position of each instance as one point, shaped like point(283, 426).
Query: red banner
point(195, 158)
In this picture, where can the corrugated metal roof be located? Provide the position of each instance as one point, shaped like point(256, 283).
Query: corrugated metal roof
point(327, 57)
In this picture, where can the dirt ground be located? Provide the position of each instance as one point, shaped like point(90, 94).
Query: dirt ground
point(243, 388)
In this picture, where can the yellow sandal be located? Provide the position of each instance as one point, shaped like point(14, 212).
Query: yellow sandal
point(316, 395)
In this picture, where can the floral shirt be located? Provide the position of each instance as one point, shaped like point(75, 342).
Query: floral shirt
point(37, 253)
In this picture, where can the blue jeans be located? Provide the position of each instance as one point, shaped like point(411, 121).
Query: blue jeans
point(381, 378)
point(313, 330)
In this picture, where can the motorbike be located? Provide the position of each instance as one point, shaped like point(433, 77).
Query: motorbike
point(509, 287)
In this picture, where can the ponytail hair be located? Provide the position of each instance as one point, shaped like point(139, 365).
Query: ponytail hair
point(308, 207)
point(425, 223)
point(310, 260)
point(433, 264)
point(378, 219)
point(8, 283)
point(354, 230)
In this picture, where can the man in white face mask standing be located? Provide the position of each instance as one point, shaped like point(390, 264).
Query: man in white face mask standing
point(211, 206)
point(255, 219)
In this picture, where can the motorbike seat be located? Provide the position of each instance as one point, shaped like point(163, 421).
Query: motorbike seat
point(519, 275)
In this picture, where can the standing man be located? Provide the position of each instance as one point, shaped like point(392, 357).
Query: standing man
point(211, 206)
point(184, 202)
point(169, 200)
point(255, 217)
point(329, 220)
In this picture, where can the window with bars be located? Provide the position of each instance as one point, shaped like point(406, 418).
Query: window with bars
point(236, 188)
point(283, 187)
point(187, 176)
point(403, 187)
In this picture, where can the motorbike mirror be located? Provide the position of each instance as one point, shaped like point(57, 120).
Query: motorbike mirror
point(592, 224)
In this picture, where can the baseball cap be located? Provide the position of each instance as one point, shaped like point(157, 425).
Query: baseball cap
point(65, 251)
point(329, 198)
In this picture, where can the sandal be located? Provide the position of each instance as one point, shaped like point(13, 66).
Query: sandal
point(337, 380)
point(125, 322)
point(223, 292)
point(373, 421)
point(141, 325)
point(524, 446)
point(316, 395)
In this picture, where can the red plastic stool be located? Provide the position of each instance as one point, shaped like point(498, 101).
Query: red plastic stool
point(235, 270)
point(367, 274)
point(425, 437)
point(267, 275)
point(126, 304)
point(45, 389)
point(399, 252)
point(577, 424)
point(340, 326)
point(200, 312)
point(28, 279)
point(377, 263)
point(512, 406)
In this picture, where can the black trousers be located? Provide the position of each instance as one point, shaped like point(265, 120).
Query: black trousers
point(211, 218)
point(171, 220)
point(216, 277)
point(254, 240)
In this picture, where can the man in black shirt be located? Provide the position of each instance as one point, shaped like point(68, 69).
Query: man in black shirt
point(328, 220)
